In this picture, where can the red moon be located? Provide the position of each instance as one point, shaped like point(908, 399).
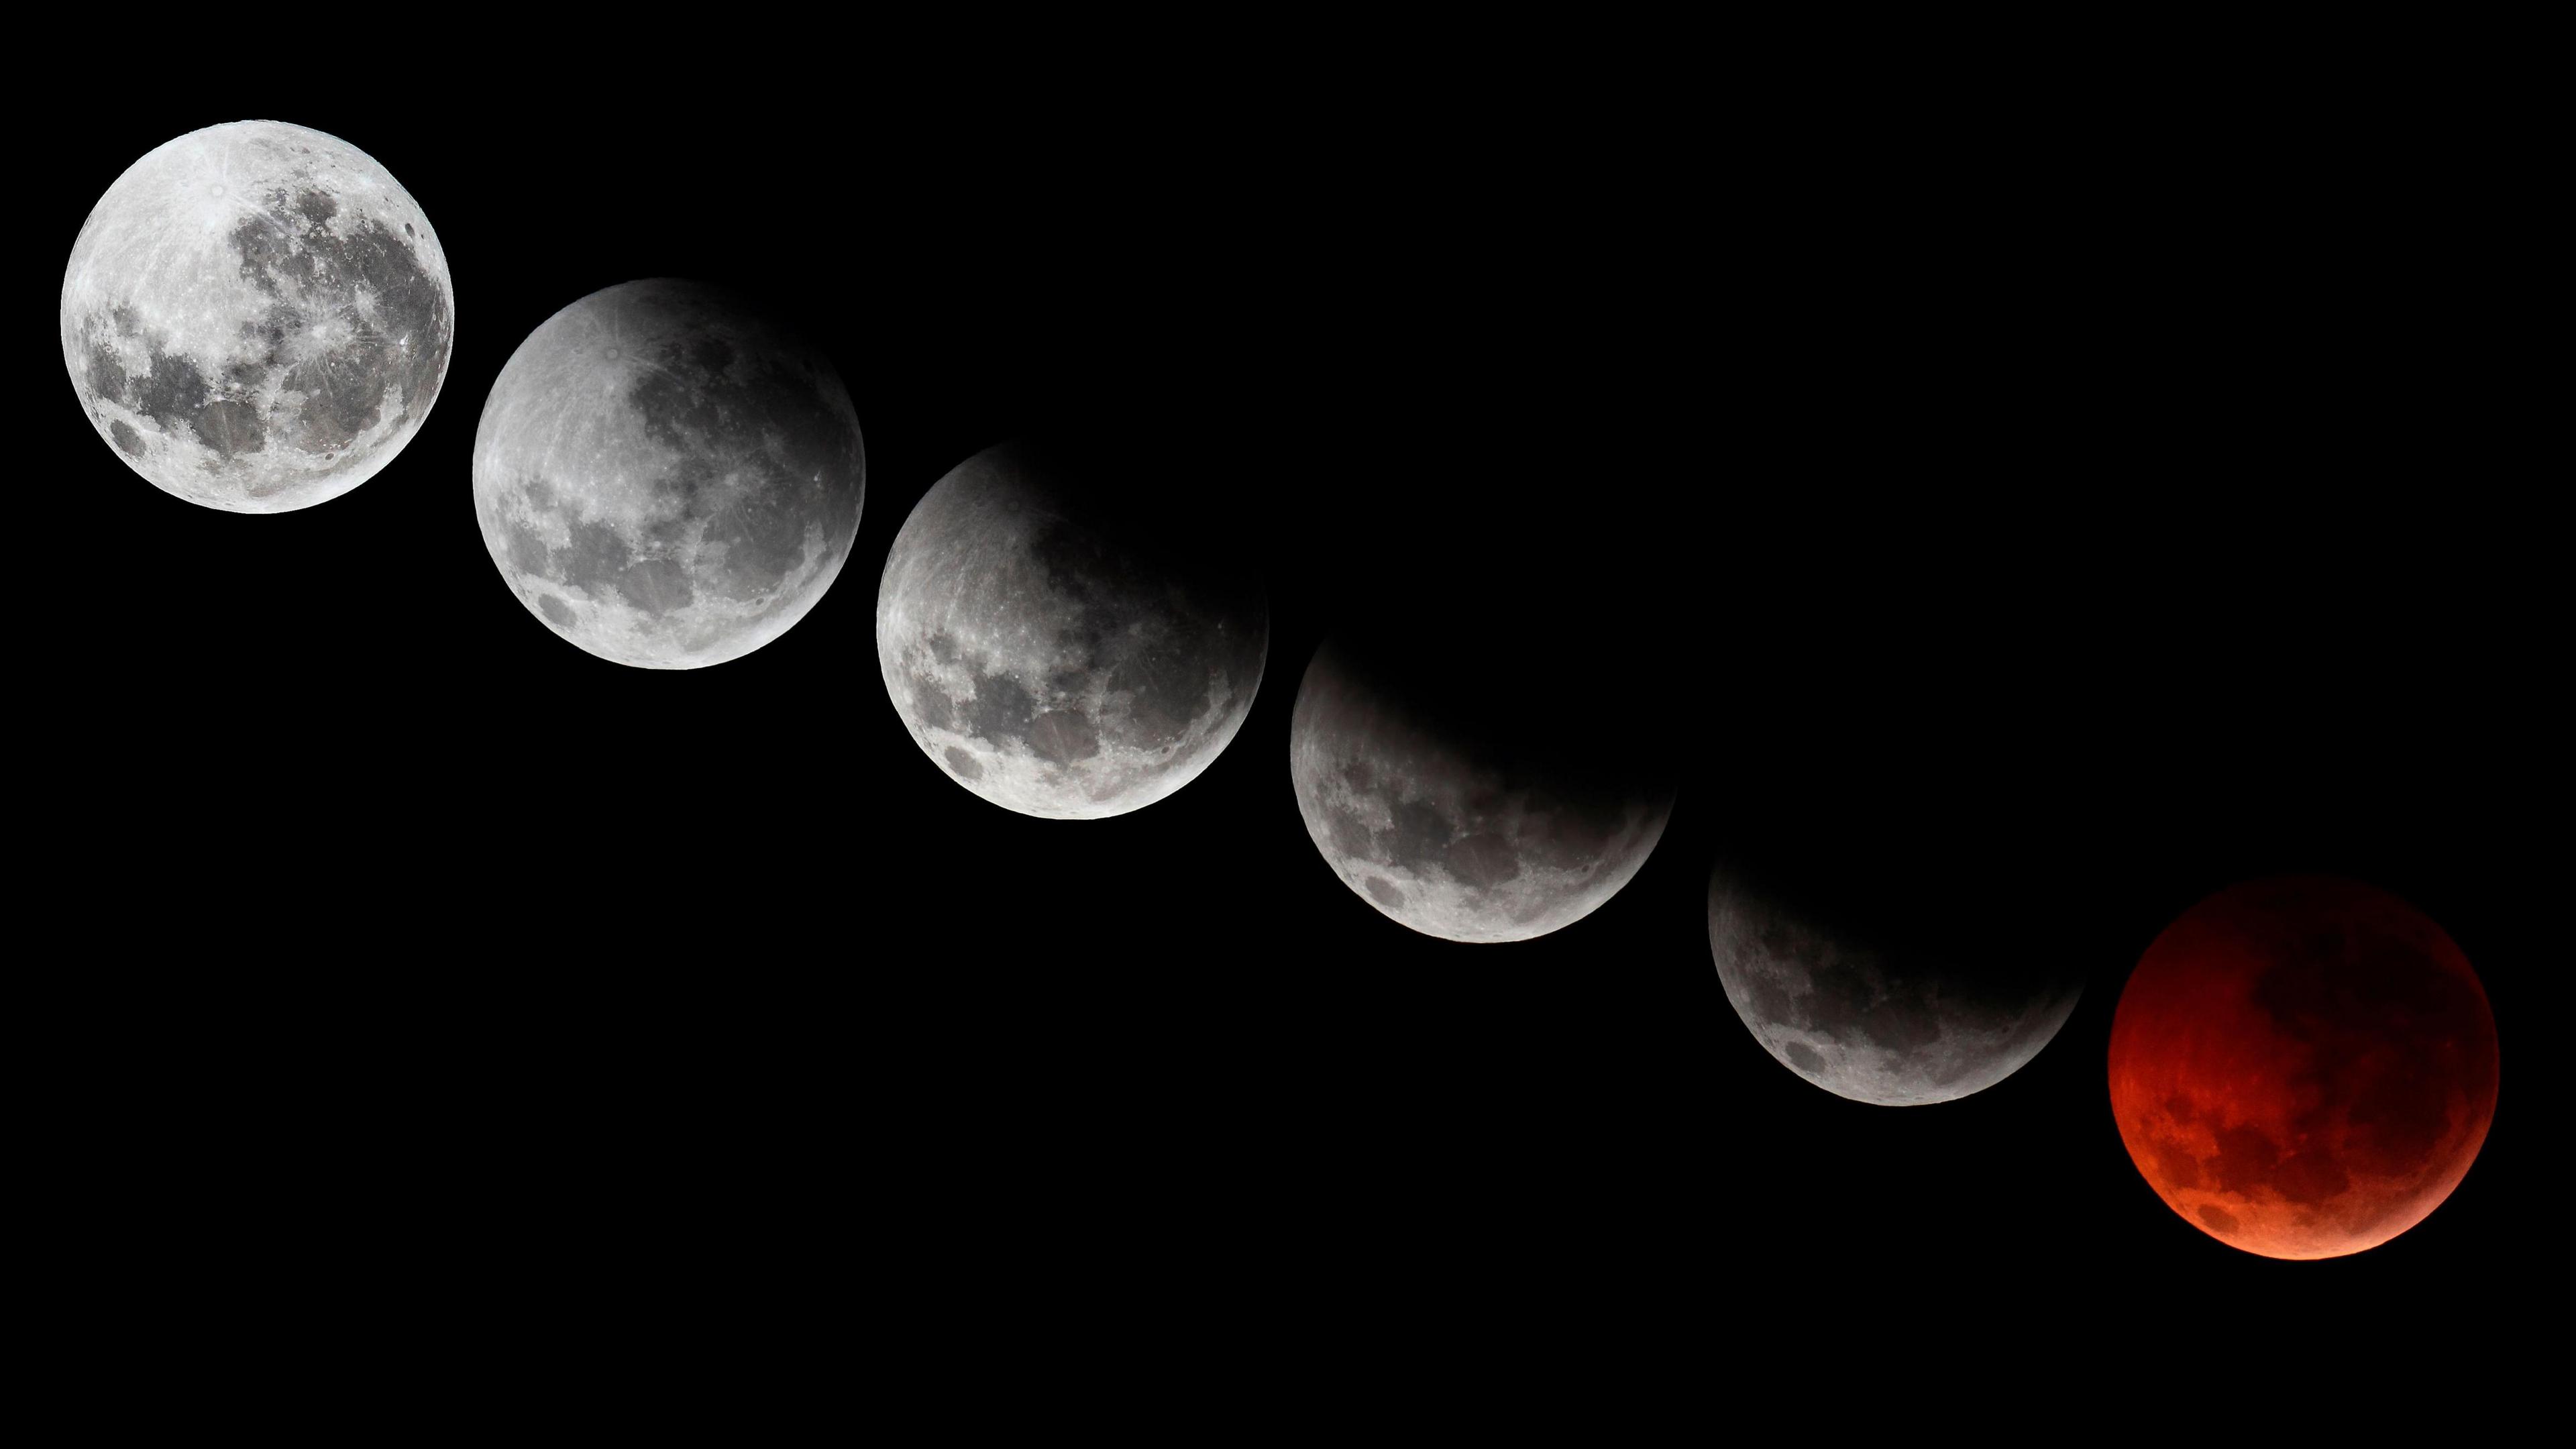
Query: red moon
point(2303, 1067)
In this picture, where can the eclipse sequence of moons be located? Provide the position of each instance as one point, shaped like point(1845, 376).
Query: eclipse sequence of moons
point(256, 317)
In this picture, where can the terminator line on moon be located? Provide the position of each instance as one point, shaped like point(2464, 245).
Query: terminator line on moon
point(1050, 645)
point(257, 317)
point(1872, 1024)
point(1456, 839)
point(667, 478)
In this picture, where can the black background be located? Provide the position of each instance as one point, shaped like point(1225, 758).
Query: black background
point(2099, 489)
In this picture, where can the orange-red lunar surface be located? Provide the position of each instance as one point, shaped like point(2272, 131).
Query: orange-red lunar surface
point(2303, 1067)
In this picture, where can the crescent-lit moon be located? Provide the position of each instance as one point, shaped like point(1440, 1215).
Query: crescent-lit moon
point(1470, 834)
point(1890, 1025)
point(257, 317)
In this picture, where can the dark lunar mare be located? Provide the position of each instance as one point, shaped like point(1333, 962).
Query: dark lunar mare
point(173, 390)
point(741, 396)
point(290, 252)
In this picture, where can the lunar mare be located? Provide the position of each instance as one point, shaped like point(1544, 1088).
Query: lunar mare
point(1458, 836)
point(2303, 1067)
point(1056, 652)
point(257, 317)
point(1870, 1024)
point(665, 477)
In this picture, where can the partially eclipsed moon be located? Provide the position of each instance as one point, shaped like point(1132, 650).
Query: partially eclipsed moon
point(1892, 1026)
point(257, 317)
point(1451, 817)
point(2303, 1067)
point(667, 478)
point(1061, 645)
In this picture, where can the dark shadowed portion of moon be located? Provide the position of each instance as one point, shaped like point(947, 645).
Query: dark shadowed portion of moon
point(1067, 636)
point(1469, 791)
point(1885, 976)
point(666, 476)
point(257, 317)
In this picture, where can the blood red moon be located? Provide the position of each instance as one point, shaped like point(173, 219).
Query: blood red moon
point(2303, 1067)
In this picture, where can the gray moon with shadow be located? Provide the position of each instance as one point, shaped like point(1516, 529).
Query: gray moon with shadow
point(666, 477)
point(1056, 652)
point(257, 317)
point(1450, 837)
point(1865, 1022)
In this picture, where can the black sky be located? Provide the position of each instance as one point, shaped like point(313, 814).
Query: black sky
point(2104, 499)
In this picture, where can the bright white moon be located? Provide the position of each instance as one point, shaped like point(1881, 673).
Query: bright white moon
point(257, 317)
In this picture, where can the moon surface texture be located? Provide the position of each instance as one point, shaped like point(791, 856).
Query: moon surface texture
point(257, 317)
point(666, 477)
point(2303, 1067)
point(1458, 809)
point(1868, 1010)
point(1064, 642)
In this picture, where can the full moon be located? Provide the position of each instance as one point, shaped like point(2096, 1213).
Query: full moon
point(666, 477)
point(2303, 1067)
point(1061, 642)
point(1464, 807)
point(257, 317)
point(1857, 1001)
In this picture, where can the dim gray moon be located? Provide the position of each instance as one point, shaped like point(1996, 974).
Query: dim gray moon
point(1058, 652)
point(257, 317)
point(1454, 838)
point(1872, 1023)
point(666, 477)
